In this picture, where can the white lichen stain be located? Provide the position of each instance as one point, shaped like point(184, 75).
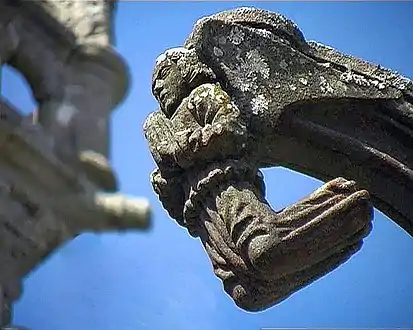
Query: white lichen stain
point(259, 104)
point(325, 65)
point(247, 70)
point(325, 86)
point(257, 64)
point(169, 53)
point(183, 132)
point(218, 52)
point(245, 87)
point(303, 81)
point(346, 77)
point(379, 84)
point(350, 77)
point(236, 36)
point(264, 33)
point(292, 87)
point(190, 105)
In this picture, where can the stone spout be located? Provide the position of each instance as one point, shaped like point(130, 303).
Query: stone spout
point(247, 91)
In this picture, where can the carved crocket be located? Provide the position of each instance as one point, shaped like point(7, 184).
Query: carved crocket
point(247, 91)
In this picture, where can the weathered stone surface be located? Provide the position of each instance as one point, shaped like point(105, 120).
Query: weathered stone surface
point(63, 50)
point(48, 203)
point(55, 178)
point(90, 21)
point(248, 91)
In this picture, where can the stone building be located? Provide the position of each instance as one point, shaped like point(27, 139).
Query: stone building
point(58, 156)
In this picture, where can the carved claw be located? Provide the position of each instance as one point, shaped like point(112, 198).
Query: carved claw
point(339, 185)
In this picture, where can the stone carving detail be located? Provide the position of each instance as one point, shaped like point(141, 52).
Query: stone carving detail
point(247, 91)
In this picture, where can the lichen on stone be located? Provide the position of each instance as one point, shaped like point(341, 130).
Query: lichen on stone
point(245, 70)
point(259, 104)
point(325, 86)
point(218, 52)
point(236, 36)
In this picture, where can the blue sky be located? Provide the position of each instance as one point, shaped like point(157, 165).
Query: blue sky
point(163, 279)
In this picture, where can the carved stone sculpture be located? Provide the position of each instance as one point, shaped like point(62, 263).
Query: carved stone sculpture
point(248, 91)
point(55, 178)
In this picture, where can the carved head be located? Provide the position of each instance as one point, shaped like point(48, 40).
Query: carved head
point(176, 73)
point(168, 84)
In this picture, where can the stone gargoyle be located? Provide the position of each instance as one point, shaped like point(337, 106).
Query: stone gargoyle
point(247, 91)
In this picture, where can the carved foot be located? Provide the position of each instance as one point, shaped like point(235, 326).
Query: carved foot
point(254, 294)
point(313, 230)
point(300, 244)
point(98, 170)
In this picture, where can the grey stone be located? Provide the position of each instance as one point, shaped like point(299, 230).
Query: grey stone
point(64, 51)
point(56, 181)
point(247, 91)
point(48, 203)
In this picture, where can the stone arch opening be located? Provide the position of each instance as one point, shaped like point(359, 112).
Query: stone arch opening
point(15, 89)
point(284, 186)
